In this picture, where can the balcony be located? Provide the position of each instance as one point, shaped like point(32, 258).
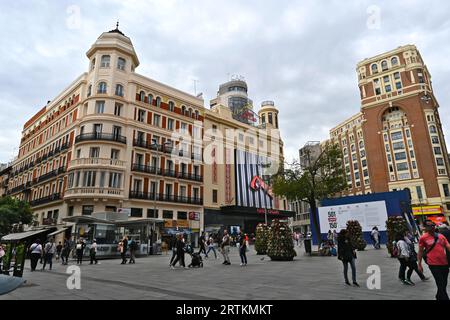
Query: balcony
point(146, 145)
point(101, 137)
point(93, 192)
point(145, 169)
point(165, 198)
point(97, 162)
point(41, 201)
point(50, 175)
point(166, 173)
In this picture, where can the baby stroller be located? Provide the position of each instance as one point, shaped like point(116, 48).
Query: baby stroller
point(196, 261)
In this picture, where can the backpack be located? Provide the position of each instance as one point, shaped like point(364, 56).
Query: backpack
point(395, 250)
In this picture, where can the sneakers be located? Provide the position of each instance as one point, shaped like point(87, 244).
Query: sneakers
point(242, 264)
point(405, 282)
point(172, 267)
point(356, 284)
point(410, 282)
point(348, 283)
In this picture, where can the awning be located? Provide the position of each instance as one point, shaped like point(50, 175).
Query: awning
point(57, 232)
point(173, 231)
point(23, 235)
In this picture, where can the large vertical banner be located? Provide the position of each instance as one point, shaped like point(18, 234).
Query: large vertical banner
point(228, 198)
point(214, 166)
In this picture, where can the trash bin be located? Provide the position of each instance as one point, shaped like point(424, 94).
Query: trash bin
point(308, 247)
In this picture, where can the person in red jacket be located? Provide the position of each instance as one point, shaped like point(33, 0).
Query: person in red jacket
point(434, 247)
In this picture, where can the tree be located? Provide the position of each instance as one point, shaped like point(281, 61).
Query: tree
point(261, 239)
point(13, 211)
point(395, 226)
point(356, 235)
point(280, 244)
point(319, 176)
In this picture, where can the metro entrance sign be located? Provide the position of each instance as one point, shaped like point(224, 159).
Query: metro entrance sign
point(269, 211)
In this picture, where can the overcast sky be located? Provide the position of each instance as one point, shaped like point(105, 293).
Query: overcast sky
point(301, 54)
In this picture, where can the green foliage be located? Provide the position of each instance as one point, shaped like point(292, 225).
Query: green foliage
point(262, 233)
point(280, 246)
point(356, 235)
point(395, 226)
point(13, 211)
point(321, 176)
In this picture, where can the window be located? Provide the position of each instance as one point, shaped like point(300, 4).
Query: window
point(354, 157)
point(119, 90)
point(388, 88)
point(363, 153)
point(361, 144)
point(141, 115)
point(102, 88)
point(171, 106)
point(150, 99)
point(118, 109)
point(263, 118)
point(121, 62)
point(356, 175)
point(214, 196)
point(87, 210)
point(408, 134)
point(400, 156)
point(435, 139)
point(183, 192)
point(142, 96)
point(115, 180)
point(182, 215)
point(355, 166)
point(136, 212)
point(411, 153)
point(196, 132)
point(437, 150)
point(374, 68)
point(440, 161)
point(433, 129)
point(397, 136)
point(115, 154)
point(388, 149)
point(137, 185)
point(156, 120)
point(170, 123)
point(214, 128)
point(402, 166)
point(168, 214)
point(398, 85)
point(100, 107)
point(394, 61)
point(70, 214)
point(94, 152)
point(152, 213)
point(441, 172)
point(386, 79)
point(377, 91)
point(398, 145)
point(89, 90)
point(421, 78)
point(270, 118)
point(364, 163)
point(106, 60)
point(366, 173)
point(183, 110)
point(158, 102)
point(419, 192)
point(89, 178)
point(446, 190)
point(384, 65)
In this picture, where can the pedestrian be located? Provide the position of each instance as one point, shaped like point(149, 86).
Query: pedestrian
point(133, 247)
point(58, 251)
point(202, 243)
point(211, 245)
point(2, 254)
point(403, 257)
point(173, 245)
point(49, 252)
point(180, 246)
point(375, 235)
point(66, 251)
point(329, 236)
point(335, 237)
point(409, 239)
point(93, 252)
point(242, 249)
point(80, 249)
point(36, 252)
point(123, 253)
point(432, 248)
point(225, 246)
point(347, 254)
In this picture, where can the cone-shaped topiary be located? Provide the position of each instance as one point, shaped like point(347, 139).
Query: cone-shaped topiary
point(356, 235)
point(280, 246)
point(262, 231)
point(395, 226)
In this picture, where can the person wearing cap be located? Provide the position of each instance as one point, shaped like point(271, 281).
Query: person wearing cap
point(93, 252)
point(432, 248)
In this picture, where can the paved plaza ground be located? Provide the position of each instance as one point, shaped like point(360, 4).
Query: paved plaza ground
point(306, 277)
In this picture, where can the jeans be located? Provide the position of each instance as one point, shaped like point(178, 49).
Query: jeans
point(243, 255)
point(353, 266)
point(132, 256)
point(440, 275)
point(48, 258)
point(413, 266)
point(203, 249)
point(404, 263)
point(213, 249)
point(34, 260)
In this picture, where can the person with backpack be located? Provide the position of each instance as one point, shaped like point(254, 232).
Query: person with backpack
point(347, 254)
point(49, 251)
point(93, 252)
point(36, 253)
point(433, 249)
point(409, 239)
point(133, 248)
point(403, 257)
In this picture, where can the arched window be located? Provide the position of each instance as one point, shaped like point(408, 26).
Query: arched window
point(101, 87)
point(119, 90)
point(384, 65)
point(433, 129)
point(171, 106)
point(190, 113)
point(150, 99)
point(353, 148)
point(89, 90)
point(374, 68)
point(142, 96)
point(196, 114)
point(361, 144)
point(106, 60)
point(183, 110)
point(394, 61)
point(158, 102)
point(345, 151)
point(121, 62)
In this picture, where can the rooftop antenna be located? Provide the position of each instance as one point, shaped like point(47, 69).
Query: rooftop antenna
point(117, 25)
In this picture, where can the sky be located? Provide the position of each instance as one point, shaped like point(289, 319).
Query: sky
point(300, 54)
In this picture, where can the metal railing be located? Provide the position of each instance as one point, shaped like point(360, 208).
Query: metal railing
point(97, 161)
point(101, 136)
point(53, 197)
point(164, 198)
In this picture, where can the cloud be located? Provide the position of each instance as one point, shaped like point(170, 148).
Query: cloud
point(301, 54)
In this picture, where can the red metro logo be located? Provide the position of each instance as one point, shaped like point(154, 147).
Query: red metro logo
point(258, 183)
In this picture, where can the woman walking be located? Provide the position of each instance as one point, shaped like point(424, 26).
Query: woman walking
point(36, 253)
point(404, 259)
point(242, 249)
point(211, 245)
point(180, 252)
point(347, 254)
point(409, 239)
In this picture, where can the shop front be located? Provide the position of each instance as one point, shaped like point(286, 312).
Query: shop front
point(433, 213)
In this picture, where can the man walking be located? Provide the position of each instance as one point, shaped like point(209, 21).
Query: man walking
point(202, 243)
point(133, 247)
point(49, 251)
point(225, 246)
point(432, 248)
point(93, 252)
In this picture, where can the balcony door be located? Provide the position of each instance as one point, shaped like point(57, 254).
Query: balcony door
point(117, 132)
point(168, 193)
point(98, 128)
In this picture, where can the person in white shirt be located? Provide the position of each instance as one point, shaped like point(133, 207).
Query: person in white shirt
point(403, 258)
point(49, 252)
point(375, 234)
point(36, 253)
point(93, 252)
point(2, 254)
